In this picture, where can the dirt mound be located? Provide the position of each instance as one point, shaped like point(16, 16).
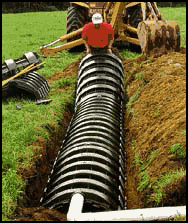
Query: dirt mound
point(40, 214)
point(154, 121)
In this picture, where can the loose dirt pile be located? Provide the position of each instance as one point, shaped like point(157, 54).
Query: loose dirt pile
point(157, 118)
point(155, 121)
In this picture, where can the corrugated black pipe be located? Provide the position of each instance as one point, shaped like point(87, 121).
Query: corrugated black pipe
point(92, 157)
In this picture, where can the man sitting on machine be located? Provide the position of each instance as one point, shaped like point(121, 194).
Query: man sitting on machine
point(98, 36)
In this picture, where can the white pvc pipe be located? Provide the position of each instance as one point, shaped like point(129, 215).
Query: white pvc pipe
point(145, 214)
point(75, 207)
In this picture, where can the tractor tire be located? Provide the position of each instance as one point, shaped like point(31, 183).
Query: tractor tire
point(135, 14)
point(76, 19)
point(135, 17)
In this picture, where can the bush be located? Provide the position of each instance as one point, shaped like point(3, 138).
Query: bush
point(16, 10)
point(51, 8)
point(37, 7)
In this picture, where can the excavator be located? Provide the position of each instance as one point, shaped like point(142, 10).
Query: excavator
point(137, 23)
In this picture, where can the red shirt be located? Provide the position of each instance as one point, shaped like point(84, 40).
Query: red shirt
point(98, 38)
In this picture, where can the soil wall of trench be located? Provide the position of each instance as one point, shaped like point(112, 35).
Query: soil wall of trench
point(153, 121)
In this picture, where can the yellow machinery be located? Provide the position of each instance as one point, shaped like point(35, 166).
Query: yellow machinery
point(137, 23)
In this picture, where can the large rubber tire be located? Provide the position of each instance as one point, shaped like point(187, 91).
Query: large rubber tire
point(135, 14)
point(76, 19)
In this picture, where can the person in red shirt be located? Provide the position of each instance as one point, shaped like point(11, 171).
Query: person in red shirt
point(98, 35)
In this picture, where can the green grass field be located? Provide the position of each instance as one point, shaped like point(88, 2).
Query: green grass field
point(26, 32)
point(178, 15)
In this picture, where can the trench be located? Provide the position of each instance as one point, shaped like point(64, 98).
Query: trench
point(42, 167)
point(36, 177)
point(29, 202)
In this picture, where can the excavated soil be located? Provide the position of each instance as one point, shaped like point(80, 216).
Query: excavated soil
point(159, 115)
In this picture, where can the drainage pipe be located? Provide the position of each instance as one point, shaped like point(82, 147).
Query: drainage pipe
point(92, 156)
point(145, 214)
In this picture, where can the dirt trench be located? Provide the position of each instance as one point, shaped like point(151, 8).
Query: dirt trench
point(158, 117)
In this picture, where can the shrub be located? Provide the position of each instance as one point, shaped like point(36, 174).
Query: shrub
point(51, 8)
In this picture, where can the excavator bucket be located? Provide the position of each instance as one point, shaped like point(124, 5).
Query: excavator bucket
point(159, 37)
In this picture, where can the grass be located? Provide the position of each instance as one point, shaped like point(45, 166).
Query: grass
point(157, 112)
point(139, 76)
point(183, 132)
point(11, 185)
point(178, 150)
point(63, 83)
point(164, 181)
point(135, 96)
point(158, 186)
point(127, 54)
point(178, 15)
point(149, 59)
point(27, 32)
point(19, 129)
